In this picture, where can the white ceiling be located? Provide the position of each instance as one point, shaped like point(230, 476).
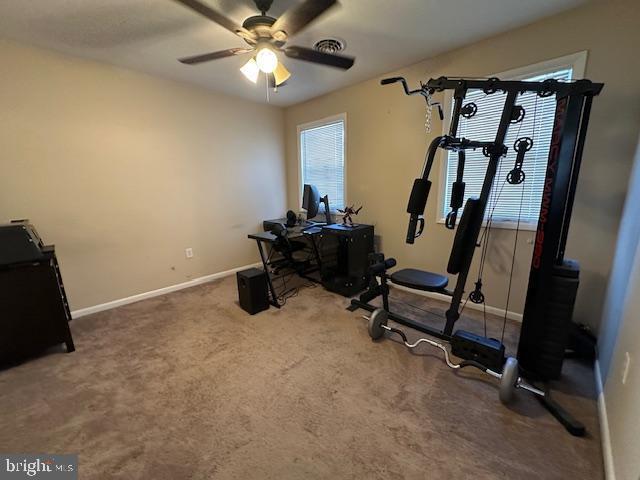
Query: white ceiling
point(149, 35)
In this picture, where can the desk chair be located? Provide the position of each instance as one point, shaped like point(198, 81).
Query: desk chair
point(287, 247)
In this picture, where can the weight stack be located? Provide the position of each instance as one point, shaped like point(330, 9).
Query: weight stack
point(541, 355)
point(253, 295)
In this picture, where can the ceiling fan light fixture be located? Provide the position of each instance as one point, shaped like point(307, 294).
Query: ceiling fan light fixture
point(267, 60)
point(251, 70)
point(280, 74)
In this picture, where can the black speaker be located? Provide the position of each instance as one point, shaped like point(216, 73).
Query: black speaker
point(252, 290)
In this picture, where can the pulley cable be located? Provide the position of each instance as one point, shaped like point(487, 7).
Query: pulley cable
point(515, 241)
point(513, 262)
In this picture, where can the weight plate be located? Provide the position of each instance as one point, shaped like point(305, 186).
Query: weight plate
point(378, 318)
point(509, 379)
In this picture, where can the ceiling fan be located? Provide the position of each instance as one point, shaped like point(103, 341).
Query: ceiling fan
point(266, 36)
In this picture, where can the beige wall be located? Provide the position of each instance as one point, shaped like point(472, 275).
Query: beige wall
point(123, 171)
point(386, 144)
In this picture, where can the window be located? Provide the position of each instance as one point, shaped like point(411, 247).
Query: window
point(321, 153)
point(505, 200)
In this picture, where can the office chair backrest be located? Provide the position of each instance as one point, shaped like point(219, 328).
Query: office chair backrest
point(282, 240)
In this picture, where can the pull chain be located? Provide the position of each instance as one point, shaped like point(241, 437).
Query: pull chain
point(266, 77)
point(427, 115)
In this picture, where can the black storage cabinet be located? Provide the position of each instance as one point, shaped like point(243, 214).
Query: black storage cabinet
point(34, 312)
point(345, 262)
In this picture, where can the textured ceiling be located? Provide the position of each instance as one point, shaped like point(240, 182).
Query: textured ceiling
point(149, 35)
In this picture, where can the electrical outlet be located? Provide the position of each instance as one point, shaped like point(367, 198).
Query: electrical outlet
point(188, 252)
point(625, 368)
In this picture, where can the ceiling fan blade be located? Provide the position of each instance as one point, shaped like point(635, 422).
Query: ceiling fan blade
point(217, 17)
point(310, 55)
point(298, 17)
point(205, 57)
point(280, 74)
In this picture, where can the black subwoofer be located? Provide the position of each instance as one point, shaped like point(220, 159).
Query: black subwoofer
point(252, 290)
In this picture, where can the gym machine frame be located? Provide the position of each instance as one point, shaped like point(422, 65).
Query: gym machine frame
point(573, 106)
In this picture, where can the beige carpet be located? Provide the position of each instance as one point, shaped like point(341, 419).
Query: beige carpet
point(190, 386)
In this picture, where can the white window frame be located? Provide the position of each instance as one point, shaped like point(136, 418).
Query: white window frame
point(576, 61)
point(319, 123)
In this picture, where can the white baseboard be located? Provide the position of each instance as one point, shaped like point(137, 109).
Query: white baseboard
point(607, 454)
point(474, 306)
point(155, 293)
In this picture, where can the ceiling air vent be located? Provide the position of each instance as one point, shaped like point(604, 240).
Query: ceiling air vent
point(329, 45)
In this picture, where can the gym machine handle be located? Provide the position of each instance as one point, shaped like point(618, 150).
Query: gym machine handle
point(412, 234)
point(423, 90)
point(388, 81)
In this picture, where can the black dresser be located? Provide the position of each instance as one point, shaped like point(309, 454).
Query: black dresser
point(345, 258)
point(34, 312)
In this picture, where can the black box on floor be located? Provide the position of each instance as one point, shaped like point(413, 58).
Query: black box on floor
point(486, 351)
point(252, 290)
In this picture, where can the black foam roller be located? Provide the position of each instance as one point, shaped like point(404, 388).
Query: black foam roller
point(419, 195)
point(457, 194)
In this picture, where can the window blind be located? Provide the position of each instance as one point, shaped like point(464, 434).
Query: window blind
point(322, 157)
point(505, 198)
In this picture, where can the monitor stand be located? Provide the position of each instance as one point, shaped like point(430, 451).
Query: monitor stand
point(327, 211)
point(327, 214)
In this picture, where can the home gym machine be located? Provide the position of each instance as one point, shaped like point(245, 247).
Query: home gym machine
point(552, 280)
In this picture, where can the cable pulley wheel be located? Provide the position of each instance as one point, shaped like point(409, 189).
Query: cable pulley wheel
point(490, 89)
point(476, 297)
point(515, 176)
point(523, 142)
point(469, 110)
point(518, 114)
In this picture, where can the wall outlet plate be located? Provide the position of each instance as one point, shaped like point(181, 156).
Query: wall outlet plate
point(188, 252)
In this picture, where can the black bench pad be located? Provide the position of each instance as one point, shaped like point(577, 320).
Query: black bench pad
point(419, 279)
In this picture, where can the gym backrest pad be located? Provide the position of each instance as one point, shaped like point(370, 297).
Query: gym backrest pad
point(465, 240)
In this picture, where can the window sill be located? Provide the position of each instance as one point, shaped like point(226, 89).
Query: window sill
point(504, 225)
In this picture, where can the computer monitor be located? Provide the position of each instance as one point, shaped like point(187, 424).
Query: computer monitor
point(311, 203)
point(311, 200)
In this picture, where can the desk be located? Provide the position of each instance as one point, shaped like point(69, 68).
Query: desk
point(270, 238)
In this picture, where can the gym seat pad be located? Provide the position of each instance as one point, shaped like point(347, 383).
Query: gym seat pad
point(419, 279)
